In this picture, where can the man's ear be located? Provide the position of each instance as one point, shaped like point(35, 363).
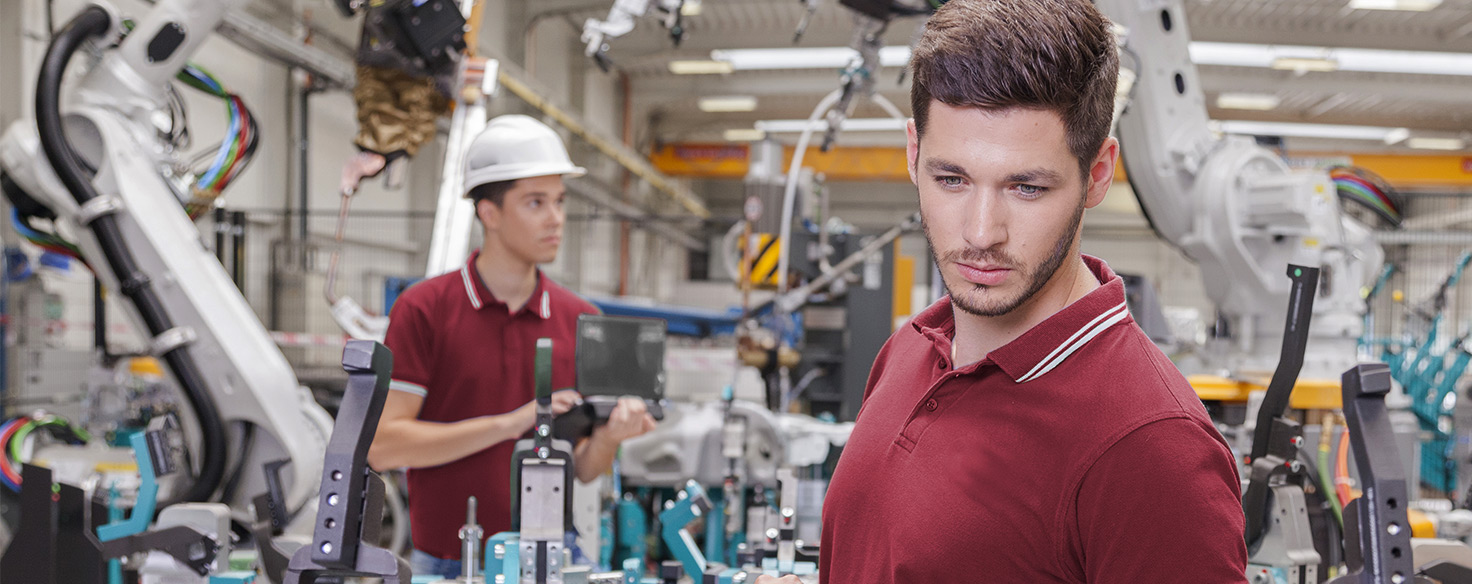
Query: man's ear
point(1101, 172)
point(489, 214)
point(912, 149)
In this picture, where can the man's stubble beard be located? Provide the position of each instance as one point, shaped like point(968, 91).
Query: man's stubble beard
point(1036, 278)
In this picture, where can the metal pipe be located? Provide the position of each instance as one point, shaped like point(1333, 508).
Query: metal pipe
point(303, 161)
point(237, 248)
point(792, 300)
point(222, 227)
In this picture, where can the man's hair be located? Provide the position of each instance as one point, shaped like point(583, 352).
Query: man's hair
point(495, 192)
point(1054, 55)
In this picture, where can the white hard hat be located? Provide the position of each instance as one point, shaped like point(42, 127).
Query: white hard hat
point(513, 147)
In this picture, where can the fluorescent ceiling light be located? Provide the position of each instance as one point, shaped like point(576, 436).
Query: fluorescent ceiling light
point(729, 103)
point(1425, 143)
point(1366, 60)
point(744, 135)
point(1410, 5)
point(849, 125)
point(805, 57)
point(1302, 64)
point(1296, 130)
point(700, 67)
point(1247, 101)
point(693, 8)
point(1202, 53)
point(1397, 136)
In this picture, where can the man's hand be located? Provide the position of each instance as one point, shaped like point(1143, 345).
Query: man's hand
point(562, 401)
point(629, 418)
point(782, 580)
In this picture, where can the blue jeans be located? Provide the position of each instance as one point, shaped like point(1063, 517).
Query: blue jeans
point(423, 564)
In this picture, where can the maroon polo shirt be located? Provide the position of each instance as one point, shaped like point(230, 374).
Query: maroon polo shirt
point(467, 355)
point(1074, 453)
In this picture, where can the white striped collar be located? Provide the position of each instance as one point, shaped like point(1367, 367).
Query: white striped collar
point(470, 291)
point(1048, 344)
point(1079, 338)
point(540, 303)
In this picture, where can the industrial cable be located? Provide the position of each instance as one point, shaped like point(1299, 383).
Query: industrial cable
point(789, 195)
point(233, 154)
point(8, 474)
point(247, 442)
point(1341, 471)
point(1368, 190)
point(1325, 471)
point(49, 421)
point(134, 284)
point(46, 241)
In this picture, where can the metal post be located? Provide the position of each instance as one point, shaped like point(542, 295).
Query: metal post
point(222, 226)
point(237, 237)
point(304, 119)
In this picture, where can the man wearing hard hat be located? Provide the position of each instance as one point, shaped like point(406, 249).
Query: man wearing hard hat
point(464, 343)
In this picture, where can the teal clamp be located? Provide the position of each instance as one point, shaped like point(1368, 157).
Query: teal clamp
point(236, 577)
point(633, 523)
point(633, 570)
point(715, 527)
point(143, 509)
point(692, 504)
point(503, 557)
point(114, 515)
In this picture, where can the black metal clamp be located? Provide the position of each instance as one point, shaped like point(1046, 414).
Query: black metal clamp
point(350, 508)
point(1276, 440)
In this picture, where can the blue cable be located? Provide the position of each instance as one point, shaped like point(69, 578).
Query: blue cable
point(224, 151)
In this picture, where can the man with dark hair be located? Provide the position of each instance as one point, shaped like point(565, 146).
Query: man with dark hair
point(464, 344)
point(1023, 428)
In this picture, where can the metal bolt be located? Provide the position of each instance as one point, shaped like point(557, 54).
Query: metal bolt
point(500, 551)
point(326, 547)
point(788, 512)
point(1397, 578)
point(544, 430)
point(1392, 529)
point(772, 533)
point(543, 452)
point(1297, 441)
point(337, 475)
point(332, 499)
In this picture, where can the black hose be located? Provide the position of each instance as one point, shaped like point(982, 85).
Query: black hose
point(94, 21)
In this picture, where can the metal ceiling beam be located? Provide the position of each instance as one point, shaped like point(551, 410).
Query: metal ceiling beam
point(260, 37)
point(602, 196)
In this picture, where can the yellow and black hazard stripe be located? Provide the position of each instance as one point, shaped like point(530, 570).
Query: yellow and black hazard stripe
point(764, 262)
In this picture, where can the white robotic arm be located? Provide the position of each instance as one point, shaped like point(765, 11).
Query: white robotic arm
point(128, 220)
point(1235, 207)
point(621, 20)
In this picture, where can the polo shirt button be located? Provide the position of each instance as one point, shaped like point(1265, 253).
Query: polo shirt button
point(931, 404)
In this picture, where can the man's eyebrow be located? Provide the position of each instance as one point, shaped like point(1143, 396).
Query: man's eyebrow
point(938, 166)
point(1035, 175)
